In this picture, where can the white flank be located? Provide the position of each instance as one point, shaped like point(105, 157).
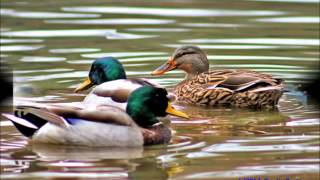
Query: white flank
point(87, 133)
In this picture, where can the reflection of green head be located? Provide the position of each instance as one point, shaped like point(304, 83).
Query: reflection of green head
point(146, 103)
point(106, 69)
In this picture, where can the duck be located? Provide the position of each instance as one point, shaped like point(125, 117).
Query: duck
point(112, 87)
point(106, 125)
point(220, 87)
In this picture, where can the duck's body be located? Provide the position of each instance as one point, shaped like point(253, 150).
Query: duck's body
point(100, 126)
point(86, 133)
point(239, 88)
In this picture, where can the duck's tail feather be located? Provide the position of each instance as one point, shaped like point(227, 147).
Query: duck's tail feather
point(29, 119)
point(27, 124)
point(44, 114)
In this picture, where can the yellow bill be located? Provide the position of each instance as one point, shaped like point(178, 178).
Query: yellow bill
point(170, 110)
point(85, 85)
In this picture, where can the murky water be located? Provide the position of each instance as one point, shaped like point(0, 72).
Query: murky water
point(50, 45)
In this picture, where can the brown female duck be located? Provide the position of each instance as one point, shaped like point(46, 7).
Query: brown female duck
point(239, 88)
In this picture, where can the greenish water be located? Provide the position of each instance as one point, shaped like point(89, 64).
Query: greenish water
point(51, 44)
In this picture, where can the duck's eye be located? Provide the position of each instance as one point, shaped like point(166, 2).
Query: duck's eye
point(179, 55)
point(183, 53)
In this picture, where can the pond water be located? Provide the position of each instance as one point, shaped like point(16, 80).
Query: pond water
point(51, 44)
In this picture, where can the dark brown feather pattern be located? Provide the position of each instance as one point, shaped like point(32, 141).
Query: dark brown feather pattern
point(239, 88)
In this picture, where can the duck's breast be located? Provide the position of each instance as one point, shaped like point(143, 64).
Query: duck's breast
point(88, 133)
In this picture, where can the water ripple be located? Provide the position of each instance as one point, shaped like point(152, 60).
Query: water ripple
point(52, 76)
point(171, 11)
point(304, 122)
point(123, 21)
point(107, 33)
point(292, 138)
point(169, 157)
point(63, 174)
point(241, 57)
point(196, 155)
point(122, 54)
point(41, 59)
point(303, 20)
point(73, 50)
point(59, 33)
point(289, 1)
point(284, 168)
point(224, 174)
point(274, 41)
point(17, 48)
point(250, 171)
point(188, 147)
point(144, 59)
point(237, 147)
point(228, 46)
point(6, 123)
point(159, 29)
point(216, 143)
point(215, 25)
point(41, 70)
point(12, 41)
point(251, 66)
point(43, 15)
point(117, 35)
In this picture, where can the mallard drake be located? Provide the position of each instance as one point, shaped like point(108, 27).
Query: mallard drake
point(240, 88)
point(103, 126)
point(113, 87)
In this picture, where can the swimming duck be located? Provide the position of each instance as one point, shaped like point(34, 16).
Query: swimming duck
point(239, 88)
point(103, 126)
point(113, 87)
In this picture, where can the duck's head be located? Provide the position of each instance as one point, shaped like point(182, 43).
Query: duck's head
point(190, 59)
point(147, 103)
point(103, 70)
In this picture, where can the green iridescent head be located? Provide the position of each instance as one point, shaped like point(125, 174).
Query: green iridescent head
point(147, 103)
point(103, 70)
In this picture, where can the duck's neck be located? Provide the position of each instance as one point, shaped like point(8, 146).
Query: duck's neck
point(196, 68)
point(189, 76)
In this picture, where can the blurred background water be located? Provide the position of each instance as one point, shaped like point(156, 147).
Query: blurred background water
point(51, 44)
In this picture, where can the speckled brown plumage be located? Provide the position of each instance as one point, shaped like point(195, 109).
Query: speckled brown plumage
point(239, 88)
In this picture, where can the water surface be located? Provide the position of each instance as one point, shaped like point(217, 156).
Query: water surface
point(51, 44)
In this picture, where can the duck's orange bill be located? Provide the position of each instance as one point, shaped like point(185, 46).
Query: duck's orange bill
point(170, 110)
point(168, 66)
point(85, 85)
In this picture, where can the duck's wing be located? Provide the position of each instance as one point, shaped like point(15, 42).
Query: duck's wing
point(28, 119)
point(238, 80)
point(104, 114)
